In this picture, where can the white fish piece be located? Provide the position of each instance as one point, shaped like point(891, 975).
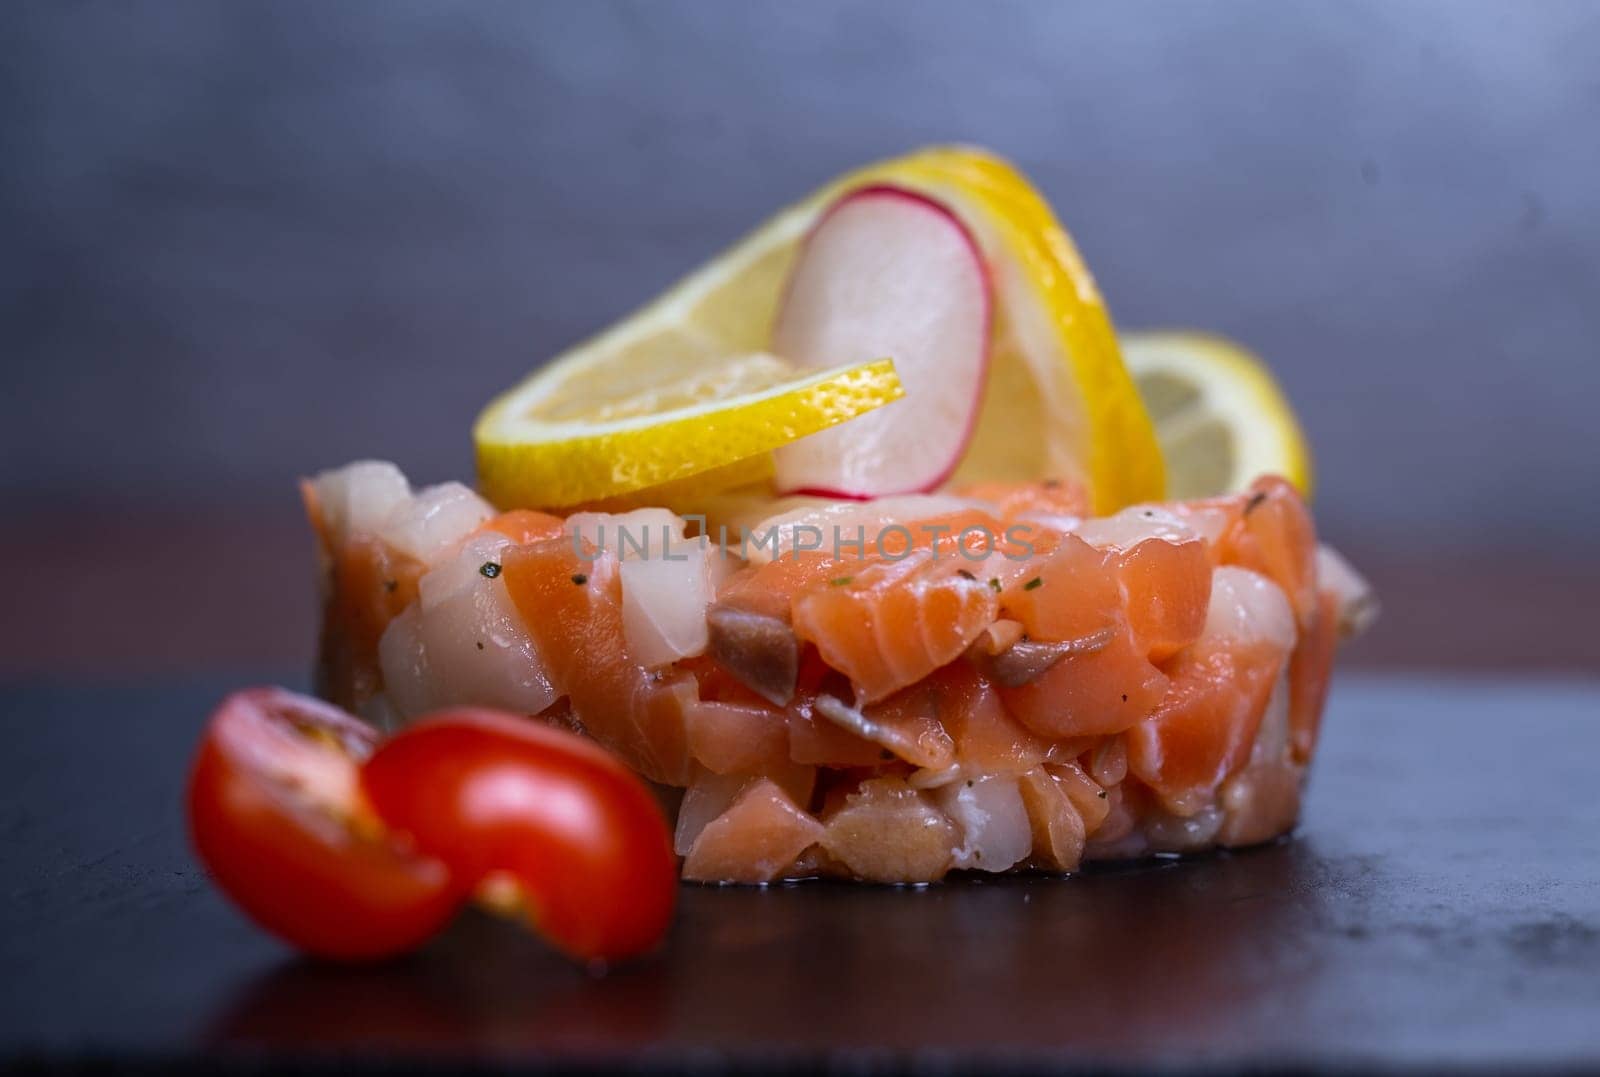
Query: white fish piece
point(1358, 602)
point(431, 524)
point(359, 497)
point(1126, 529)
point(1165, 833)
point(1264, 797)
point(667, 580)
point(1246, 608)
point(664, 601)
point(1272, 736)
point(993, 821)
point(1050, 521)
point(628, 535)
point(405, 664)
point(463, 642)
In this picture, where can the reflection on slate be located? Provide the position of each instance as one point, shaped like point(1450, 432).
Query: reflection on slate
point(1441, 903)
point(1158, 954)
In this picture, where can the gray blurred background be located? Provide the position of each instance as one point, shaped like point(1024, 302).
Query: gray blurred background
point(240, 241)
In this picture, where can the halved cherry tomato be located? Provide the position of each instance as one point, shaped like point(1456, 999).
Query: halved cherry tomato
point(540, 816)
point(276, 813)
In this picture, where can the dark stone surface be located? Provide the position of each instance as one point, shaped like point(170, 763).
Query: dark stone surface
point(243, 240)
point(1441, 905)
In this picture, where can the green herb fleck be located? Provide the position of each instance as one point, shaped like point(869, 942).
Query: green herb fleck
point(964, 574)
point(1033, 584)
point(480, 645)
point(489, 569)
point(1101, 794)
point(1254, 502)
point(580, 579)
point(840, 581)
point(994, 584)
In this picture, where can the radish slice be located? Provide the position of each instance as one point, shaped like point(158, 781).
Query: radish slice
point(888, 272)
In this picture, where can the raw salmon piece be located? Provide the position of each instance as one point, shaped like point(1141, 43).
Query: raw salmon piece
point(968, 535)
point(1048, 497)
point(1067, 594)
point(846, 530)
point(944, 692)
point(1310, 671)
point(368, 586)
point(365, 586)
point(1074, 594)
point(1260, 804)
point(1204, 727)
point(770, 589)
point(706, 796)
point(1161, 567)
point(887, 832)
point(1272, 534)
point(524, 526)
point(709, 794)
point(988, 740)
point(1107, 763)
point(813, 739)
point(756, 840)
point(1166, 587)
point(1058, 828)
point(1087, 795)
point(1101, 692)
point(1263, 800)
point(1118, 837)
point(736, 737)
point(717, 685)
point(889, 625)
point(1203, 730)
point(1279, 540)
point(573, 610)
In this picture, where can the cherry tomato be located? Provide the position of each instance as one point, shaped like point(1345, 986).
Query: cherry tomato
point(547, 821)
point(276, 814)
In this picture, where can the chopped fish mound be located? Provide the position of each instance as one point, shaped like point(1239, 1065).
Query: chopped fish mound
point(884, 691)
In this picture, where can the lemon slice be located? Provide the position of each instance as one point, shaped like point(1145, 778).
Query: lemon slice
point(559, 441)
point(1221, 417)
point(1058, 403)
point(1057, 378)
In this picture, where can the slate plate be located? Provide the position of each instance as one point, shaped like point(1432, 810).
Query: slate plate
point(1441, 905)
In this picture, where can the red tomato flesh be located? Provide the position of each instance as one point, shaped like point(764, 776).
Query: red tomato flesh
point(276, 815)
point(538, 813)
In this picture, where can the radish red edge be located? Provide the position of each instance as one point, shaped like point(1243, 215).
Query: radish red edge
point(986, 276)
